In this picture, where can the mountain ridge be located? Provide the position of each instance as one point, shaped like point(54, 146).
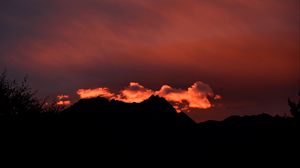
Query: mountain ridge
point(151, 129)
point(154, 111)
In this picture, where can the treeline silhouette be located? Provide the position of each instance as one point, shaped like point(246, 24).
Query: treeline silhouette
point(98, 128)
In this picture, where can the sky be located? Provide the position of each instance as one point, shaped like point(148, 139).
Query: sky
point(210, 58)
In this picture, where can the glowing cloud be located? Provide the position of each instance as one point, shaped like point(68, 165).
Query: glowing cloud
point(134, 93)
point(90, 93)
point(218, 97)
point(60, 97)
point(63, 100)
point(196, 96)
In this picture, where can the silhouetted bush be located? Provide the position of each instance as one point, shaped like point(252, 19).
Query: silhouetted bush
point(17, 100)
point(295, 108)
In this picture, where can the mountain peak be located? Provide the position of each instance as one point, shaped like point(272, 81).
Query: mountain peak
point(155, 99)
point(154, 110)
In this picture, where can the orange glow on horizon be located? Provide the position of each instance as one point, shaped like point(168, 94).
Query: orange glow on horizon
point(196, 96)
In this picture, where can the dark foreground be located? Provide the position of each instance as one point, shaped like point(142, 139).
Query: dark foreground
point(98, 129)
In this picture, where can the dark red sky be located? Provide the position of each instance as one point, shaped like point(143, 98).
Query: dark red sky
point(246, 51)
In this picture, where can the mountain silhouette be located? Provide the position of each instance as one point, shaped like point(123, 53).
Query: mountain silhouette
point(138, 130)
point(109, 129)
point(153, 112)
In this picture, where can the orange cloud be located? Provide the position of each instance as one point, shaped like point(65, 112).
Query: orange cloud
point(218, 97)
point(134, 93)
point(63, 100)
point(60, 97)
point(196, 96)
point(90, 93)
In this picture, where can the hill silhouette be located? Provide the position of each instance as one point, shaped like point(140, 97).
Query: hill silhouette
point(135, 129)
point(153, 112)
point(151, 129)
point(101, 129)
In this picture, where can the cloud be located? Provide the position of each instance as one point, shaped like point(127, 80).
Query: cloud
point(196, 96)
point(64, 103)
point(62, 100)
point(218, 97)
point(134, 93)
point(90, 93)
point(60, 97)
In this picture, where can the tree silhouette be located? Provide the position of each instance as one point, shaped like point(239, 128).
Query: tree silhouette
point(295, 108)
point(17, 100)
